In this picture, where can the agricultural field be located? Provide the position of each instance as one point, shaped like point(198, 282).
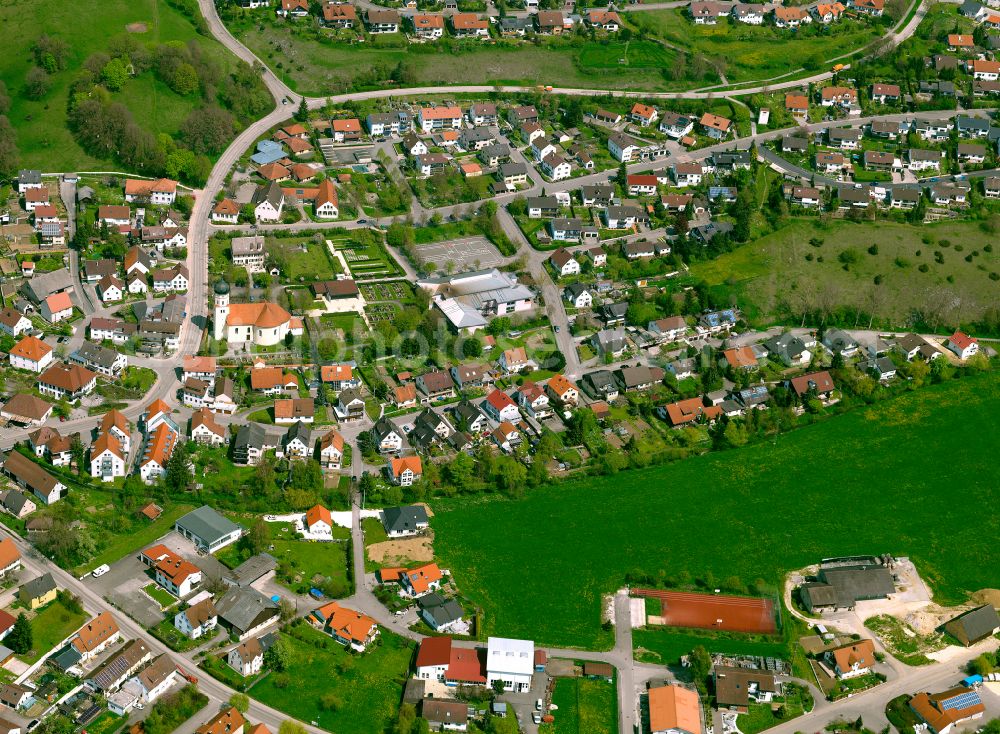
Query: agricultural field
point(746, 53)
point(585, 707)
point(318, 67)
point(356, 694)
point(577, 540)
point(941, 271)
point(42, 135)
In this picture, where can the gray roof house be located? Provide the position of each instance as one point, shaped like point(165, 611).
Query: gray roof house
point(37, 587)
point(600, 385)
point(207, 529)
point(788, 348)
point(840, 342)
point(245, 611)
point(610, 341)
point(408, 520)
point(438, 612)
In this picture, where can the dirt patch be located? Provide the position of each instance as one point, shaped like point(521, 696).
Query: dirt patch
point(136, 28)
point(987, 596)
point(402, 552)
point(561, 668)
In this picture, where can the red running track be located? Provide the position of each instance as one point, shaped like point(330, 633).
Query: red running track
point(714, 611)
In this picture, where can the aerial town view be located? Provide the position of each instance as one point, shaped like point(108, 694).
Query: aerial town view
point(500, 366)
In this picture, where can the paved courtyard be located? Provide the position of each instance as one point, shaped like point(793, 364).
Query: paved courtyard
point(470, 253)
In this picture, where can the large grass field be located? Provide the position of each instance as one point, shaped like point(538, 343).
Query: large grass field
point(313, 67)
point(776, 274)
point(585, 707)
point(42, 136)
point(366, 688)
point(754, 52)
point(539, 566)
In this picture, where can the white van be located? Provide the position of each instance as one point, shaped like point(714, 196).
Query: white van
point(101, 570)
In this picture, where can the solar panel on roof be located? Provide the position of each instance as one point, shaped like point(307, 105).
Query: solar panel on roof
point(961, 701)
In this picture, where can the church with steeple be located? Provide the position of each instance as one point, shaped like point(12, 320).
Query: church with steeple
point(263, 324)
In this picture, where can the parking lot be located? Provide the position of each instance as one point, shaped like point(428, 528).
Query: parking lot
point(470, 253)
point(123, 584)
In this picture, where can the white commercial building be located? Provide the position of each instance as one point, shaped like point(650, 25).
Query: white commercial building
point(510, 661)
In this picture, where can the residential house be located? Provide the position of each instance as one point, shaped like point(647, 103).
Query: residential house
point(561, 390)
point(852, 660)
point(247, 658)
point(66, 381)
point(962, 345)
point(38, 592)
point(387, 437)
point(674, 710)
point(404, 470)
point(715, 126)
point(331, 449)
point(382, 21)
point(942, 712)
point(818, 383)
point(675, 125)
point(347, 626)
point(31, 354)
point(198, 619)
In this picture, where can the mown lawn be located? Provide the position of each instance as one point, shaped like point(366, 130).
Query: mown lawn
point(364, 690)
point(806, 258)
point(585, 707)
point(42, 136)
point(300, 560)
point(51, 626)
point(757, 512)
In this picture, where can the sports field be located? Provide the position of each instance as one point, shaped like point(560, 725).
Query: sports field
point(713, 611)
point(539, 566)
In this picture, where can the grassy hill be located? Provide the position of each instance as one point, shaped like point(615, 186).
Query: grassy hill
point(915, 476)
point(940, 271)
point(88, 27)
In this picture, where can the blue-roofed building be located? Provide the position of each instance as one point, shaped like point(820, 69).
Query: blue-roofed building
point(725, 193)
point(268, 151)
point(753, 396)
point(718, 320)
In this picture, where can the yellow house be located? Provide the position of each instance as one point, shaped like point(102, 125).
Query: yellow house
point(38, 592)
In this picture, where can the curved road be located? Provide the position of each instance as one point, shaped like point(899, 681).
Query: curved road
point(280, 89)
point(191, 334)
